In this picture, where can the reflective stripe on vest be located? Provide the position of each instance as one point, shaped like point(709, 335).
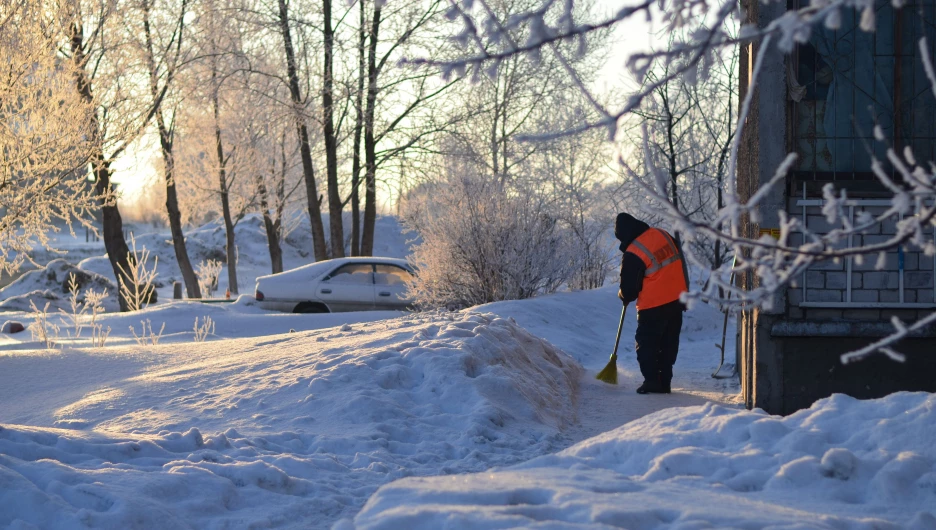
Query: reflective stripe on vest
point(663, 280)
point(667, 254)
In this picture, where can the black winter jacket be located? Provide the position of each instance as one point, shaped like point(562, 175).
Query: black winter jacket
point(627, 229)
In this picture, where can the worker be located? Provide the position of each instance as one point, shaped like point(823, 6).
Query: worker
point(653, 272)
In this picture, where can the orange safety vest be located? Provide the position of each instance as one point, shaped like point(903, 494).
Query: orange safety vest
point(664, 280)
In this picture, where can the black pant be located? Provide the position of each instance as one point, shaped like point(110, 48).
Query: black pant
point(658, 342)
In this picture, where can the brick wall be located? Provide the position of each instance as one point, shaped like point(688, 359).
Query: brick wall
point(827, 282)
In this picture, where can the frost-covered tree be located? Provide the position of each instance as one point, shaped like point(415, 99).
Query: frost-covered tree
point(277, 193)
point(109, 76)
point(514, 98)
point(573, 172)
point(226, 110)
point(554, 183)
point(44, 134)
point(689, 126)
point(164, 47)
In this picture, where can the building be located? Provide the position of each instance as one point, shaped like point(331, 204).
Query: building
point(823, 102)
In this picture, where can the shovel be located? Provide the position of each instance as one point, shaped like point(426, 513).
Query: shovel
point(608, 374)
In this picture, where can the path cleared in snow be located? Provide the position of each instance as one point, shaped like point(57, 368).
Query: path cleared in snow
point(584, 325)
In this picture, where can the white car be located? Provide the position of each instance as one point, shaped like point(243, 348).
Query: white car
point(343, 284)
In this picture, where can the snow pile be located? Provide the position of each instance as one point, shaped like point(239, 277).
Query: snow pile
point(843, 463)
point(584, 324)
point(290, 431)
point(50, 284)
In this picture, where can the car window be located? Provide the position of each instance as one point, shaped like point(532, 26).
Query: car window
point(357, 273)
point(391, 275)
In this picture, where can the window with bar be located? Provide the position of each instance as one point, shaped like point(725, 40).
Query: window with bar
point(844, 82)
point(904, 277)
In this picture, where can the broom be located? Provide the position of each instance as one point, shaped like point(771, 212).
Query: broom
point(608, 374)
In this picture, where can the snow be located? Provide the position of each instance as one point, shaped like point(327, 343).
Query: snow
point(235, 319)
point(487, 418)
point(584, 325)
point(843, 463)
point(50, 284)
point(299, 428)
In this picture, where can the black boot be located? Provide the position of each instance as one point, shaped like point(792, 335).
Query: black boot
point(652, 388)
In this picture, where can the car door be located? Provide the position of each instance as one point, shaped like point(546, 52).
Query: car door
point(391, 284)
point(350, 287)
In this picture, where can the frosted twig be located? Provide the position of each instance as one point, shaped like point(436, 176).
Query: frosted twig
point(136, 284)
point(206, 328)
point(147, 335)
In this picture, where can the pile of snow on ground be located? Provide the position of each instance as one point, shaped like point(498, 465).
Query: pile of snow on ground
point(299, 429)
point(50, 284)
point(843, 463)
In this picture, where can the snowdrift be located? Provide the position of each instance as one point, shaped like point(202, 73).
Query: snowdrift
point(49, 284)
point(289, 431)
point(843, 463)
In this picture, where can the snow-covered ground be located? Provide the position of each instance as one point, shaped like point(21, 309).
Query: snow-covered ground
point(290, 430)
point(484, 419)
point(841, 464)
point(49, 285)
point(298, 429)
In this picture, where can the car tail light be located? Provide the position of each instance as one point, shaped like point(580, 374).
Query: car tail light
point(258, 295)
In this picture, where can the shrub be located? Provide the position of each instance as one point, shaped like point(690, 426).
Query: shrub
point(480, 244)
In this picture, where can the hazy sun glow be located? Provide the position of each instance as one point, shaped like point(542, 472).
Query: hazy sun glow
point(136, 173)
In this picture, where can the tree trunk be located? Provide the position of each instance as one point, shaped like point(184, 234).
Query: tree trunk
point(358, 130)
point(273, 242)
point(308, 170)
point(494, 140)
point(175, 216)
point(225, 196)
point(370, 149)
point(280, 206)
point(118, 253)
point(335, 227)
point(165, 143)
point(230, 247)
